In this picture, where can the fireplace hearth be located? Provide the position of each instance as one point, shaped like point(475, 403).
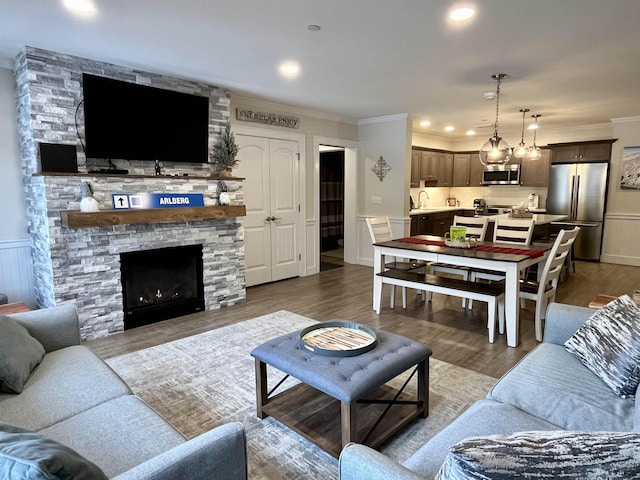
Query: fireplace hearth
point(160, 284)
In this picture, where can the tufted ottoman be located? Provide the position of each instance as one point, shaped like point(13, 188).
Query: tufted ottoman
point(343, 399)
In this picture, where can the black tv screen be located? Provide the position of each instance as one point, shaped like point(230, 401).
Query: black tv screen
point(135, 122)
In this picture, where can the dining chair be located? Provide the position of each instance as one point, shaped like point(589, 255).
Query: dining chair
point(380, 231)
point(476, 227)
point(509, 231)
point(544, 291)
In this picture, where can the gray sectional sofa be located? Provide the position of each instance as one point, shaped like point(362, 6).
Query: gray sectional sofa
point(76, 399)
point(548, 390)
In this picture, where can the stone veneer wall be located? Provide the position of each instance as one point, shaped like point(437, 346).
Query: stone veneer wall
point(49, 87)
point(83, 265)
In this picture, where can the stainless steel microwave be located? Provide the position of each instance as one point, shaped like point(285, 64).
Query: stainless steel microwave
point(501, 175)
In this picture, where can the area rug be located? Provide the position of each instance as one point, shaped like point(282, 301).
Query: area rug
point(206, 380)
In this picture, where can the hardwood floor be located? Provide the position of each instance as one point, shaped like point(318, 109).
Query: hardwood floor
point(454, 335)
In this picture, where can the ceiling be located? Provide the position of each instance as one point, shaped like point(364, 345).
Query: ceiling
point(575, 62)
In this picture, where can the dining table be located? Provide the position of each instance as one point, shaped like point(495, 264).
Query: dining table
point(500, 257)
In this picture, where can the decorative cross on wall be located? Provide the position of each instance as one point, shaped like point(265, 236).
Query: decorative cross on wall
point(381, 168)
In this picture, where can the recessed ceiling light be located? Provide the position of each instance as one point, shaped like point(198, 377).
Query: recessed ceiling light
point(313, 28)
point(471, 132)
point(80, 7)
point(533, 126)
point(289, 69)
point(449, 128)
point(461, 14)
point(425, 123)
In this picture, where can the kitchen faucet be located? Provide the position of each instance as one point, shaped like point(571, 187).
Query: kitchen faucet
point(420, 204)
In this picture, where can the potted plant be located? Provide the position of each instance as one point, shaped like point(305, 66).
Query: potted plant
point(224, 152)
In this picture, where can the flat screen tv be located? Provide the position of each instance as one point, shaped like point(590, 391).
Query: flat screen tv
point(135, 122)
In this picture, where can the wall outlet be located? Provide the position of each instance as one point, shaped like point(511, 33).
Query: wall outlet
point(376, 200)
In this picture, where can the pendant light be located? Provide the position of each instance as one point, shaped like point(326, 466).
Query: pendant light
point(522, 150)
point(534, 152)
point(496, 151)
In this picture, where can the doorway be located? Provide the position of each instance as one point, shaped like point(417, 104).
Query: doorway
point(271, 170)
point(331, 207)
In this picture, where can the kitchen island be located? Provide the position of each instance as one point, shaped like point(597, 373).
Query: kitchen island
point(436, 221)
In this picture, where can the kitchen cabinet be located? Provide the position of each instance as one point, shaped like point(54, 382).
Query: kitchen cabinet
point(429, 165)
point(420, 224)
point(475, 171)
point(440, 222)
point(434, 167)
point(461, 169)
point(535, 173)
point(596, 151)
point(445, 169)
point(416, 157)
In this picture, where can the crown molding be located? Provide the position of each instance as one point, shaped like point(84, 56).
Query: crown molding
point(625, 120)
point(384, 119)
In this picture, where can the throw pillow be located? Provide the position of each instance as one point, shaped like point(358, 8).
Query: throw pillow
point(608, 344)
point(544, 455)
point(31, 456)
point(19, 354)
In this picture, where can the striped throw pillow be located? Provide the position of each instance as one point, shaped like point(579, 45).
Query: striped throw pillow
point(545, 455)
point(608, 344)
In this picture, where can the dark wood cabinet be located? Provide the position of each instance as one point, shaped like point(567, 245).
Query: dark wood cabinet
point(416, 157)
point(433, 167)
point(440, 223)
point(475, 171)
point(420, 224)
point(413, 230)
point(461, 169)
point(535, 173)
point(595, 151)
point(429, 167)
point(445, 169)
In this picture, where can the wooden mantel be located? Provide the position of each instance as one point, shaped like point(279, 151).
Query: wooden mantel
point(106, 218)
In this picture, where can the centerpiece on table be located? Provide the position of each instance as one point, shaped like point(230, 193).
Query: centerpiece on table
point(224, 152)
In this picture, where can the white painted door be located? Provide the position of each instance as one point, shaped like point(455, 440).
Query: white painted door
point(271, 193)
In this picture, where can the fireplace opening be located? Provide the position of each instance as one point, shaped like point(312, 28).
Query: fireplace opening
point(161, 284)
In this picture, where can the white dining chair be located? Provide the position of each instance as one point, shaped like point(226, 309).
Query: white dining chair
point(476, 227)
point(380, 231)
point(509, 231)
point(544, 291)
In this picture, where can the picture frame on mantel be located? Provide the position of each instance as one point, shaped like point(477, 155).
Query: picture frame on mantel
point(630, 176)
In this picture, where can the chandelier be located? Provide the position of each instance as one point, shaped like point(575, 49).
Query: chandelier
point(522, 150)
point(496, 151)
point(534, 152)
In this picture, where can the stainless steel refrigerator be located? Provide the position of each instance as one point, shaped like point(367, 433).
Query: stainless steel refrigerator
point(579, 191)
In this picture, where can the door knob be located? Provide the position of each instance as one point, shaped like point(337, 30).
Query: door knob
point(273, 219)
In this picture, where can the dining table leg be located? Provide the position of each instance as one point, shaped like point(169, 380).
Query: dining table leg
point(512, 305)
point(378, 266)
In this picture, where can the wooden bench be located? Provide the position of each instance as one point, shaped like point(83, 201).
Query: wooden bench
point(492, 293)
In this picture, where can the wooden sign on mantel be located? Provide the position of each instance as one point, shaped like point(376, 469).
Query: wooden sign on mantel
point(268, 118)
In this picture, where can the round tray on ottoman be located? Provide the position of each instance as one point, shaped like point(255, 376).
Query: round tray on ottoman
point(338, 338)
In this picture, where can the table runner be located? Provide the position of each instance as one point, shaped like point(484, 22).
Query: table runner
point(484, 248)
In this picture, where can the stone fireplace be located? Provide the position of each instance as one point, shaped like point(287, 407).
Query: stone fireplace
point(161, 283)
point(81, 264)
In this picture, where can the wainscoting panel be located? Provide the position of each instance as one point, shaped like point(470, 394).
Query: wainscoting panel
point(16, 272)
point(620, 243)
point(313, 248)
